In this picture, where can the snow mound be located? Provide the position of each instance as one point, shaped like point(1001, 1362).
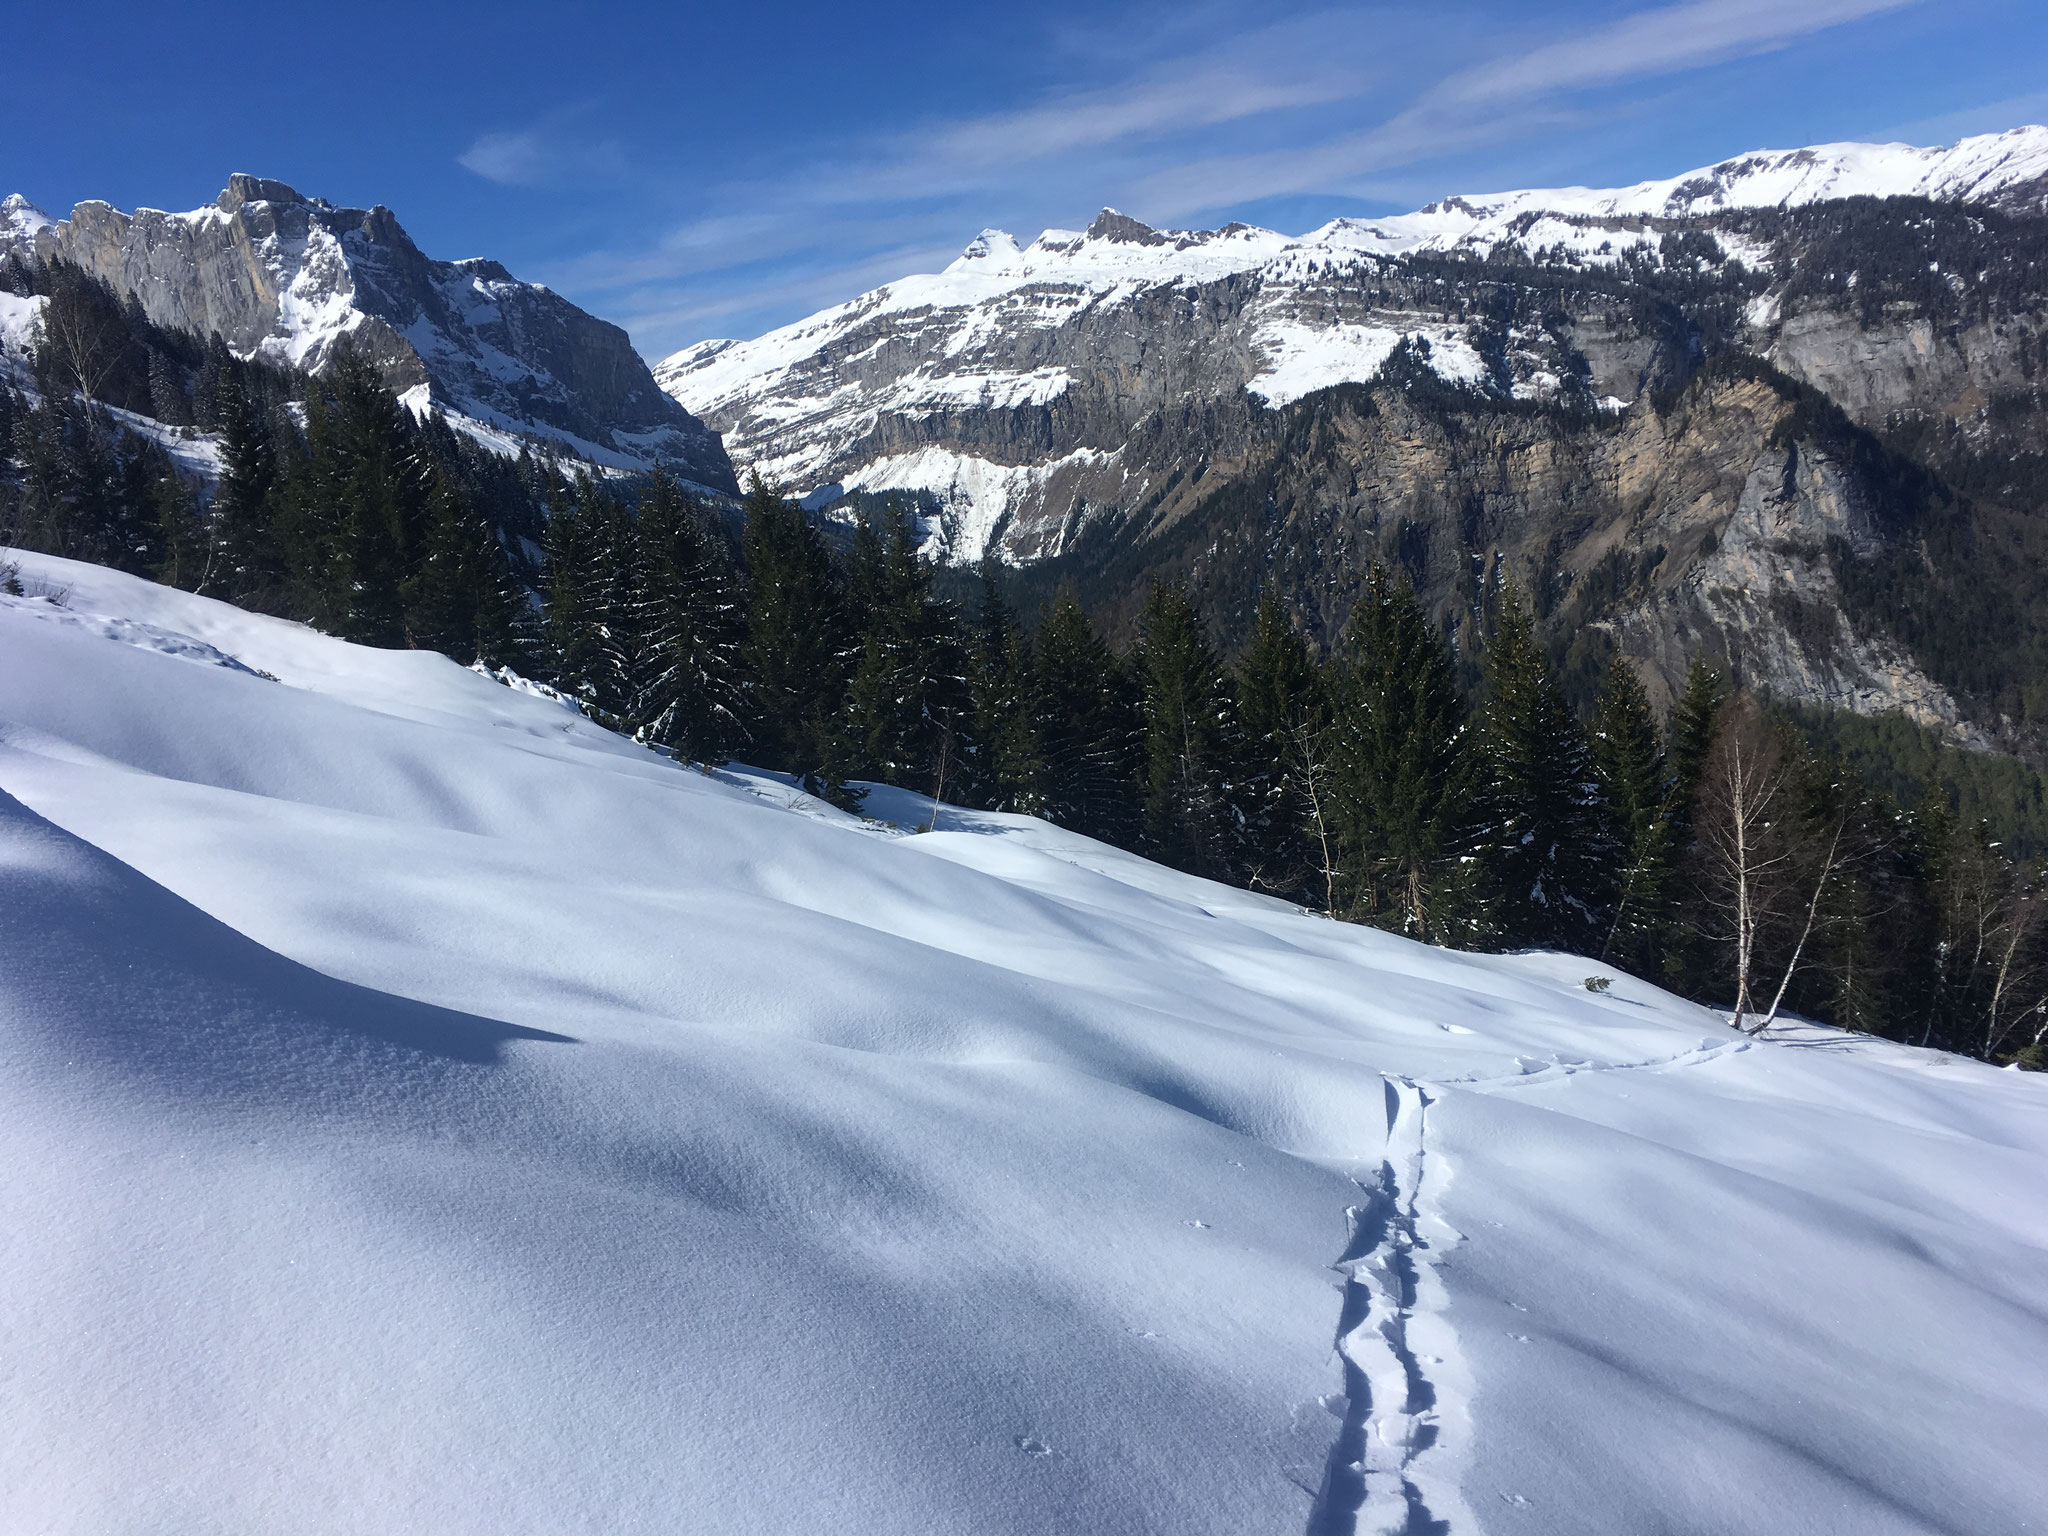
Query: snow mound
point(424, 1110)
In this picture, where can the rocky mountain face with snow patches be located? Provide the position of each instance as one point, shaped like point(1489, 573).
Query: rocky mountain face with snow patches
point(287, 277)
point(1669, 407)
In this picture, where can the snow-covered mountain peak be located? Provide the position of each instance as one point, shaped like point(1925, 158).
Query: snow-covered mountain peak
point(992, 249)
point(855, 394)
point(20, 219)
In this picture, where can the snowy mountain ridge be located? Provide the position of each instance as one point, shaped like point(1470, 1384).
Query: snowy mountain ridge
point(859, 394)
point(427, 1111)
point(287, 277)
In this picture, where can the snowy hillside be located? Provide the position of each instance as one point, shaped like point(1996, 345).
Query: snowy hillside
point(425, 1111)
point(1051, 346)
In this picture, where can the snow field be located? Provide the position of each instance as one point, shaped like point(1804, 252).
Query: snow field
point(426, 1111)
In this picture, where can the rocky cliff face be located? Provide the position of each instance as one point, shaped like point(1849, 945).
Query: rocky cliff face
point(1710, 521)
point(1516, 378)
point(290, 278)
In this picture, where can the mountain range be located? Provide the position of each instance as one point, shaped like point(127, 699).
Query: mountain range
point(288, 278)
point(1785, 410)
point(1714, 411)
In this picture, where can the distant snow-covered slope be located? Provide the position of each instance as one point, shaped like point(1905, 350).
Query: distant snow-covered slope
point(287, 277)
point(424, 1111)
point(1008, 384)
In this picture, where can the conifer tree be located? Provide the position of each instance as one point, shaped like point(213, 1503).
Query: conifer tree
point(1008, 716)
point(1549, 843)
point(1190, 739)
point(1092, 728)
point(572, 614)
point(908, 703)
point(688, 696)
point(167, 402)
point(1693, 719)
point(611, 583)
point(795, 646)
point(1629, 760)
point(459, 600)
point(380, 514)
point(1284, 777)
point(250, 564)
point(1688, 956)
point(1405, 773)
point(181, 541)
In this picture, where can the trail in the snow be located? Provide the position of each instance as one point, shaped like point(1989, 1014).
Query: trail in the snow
point(1393, 1341)
point(1534, 1073)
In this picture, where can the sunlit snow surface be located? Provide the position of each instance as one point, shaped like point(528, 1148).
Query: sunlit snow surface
point(423, 1111)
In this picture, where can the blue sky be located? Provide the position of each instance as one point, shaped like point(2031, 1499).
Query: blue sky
point(692, 170)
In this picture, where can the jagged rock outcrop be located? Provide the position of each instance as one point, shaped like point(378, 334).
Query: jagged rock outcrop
point(288, 277)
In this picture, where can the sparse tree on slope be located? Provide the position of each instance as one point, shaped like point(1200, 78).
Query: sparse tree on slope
point(795, 648)
point(908, 705)
point(1093, 729)
point(1008, 716)
point(1405, 776)
point(1551, 850)
point(1190, 739)
point(1629, 759)
point(689, 697)
point(1283, 717)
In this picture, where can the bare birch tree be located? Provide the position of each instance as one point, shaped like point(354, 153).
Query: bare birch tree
point(83, 339)
point(1739, 826)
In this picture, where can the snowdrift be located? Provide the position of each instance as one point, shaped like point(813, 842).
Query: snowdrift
point(424, 1111)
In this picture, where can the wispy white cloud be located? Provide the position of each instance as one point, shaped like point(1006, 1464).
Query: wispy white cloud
point(511, 159)
point(550, 152)
point(1327, 104)
point(1655, 42)
point(1992, 117)
point(1506, 98)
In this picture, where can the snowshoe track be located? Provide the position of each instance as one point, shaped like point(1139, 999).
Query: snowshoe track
point(1391, 1420)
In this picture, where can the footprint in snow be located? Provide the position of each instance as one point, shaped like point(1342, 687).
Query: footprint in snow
point(1031, 1445)
point(1199, 1226)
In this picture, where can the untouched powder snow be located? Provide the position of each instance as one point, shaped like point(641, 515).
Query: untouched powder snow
point(425, 1111)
